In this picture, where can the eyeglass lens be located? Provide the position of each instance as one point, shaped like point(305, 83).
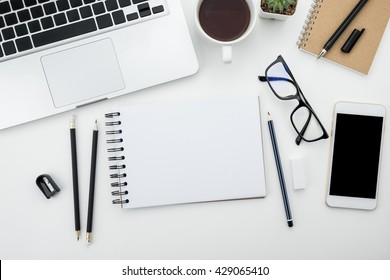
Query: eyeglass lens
point(306, 124)
point(280, 81)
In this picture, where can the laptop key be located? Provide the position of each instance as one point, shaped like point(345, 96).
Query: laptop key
point(104, 21)
point(30, 3)
point(11, 19)
point(2, 23)
point(119, 17)
point(21, 29)
point(34, 26)
point(124, 3)
point(158, 9)
point(37, 12)
point(144, 10)
point(1, 38)
point(24, 15)
point(111, 5)
point(8, 33)
point(9, 48)
point(4, 8)
point(63, 5)
point(1, 52)
point(17, 4)
point(138, 1)
point(60, 19)
point(47, 22)
point(89, 1)
point(24, 44)
point(98, 8)
point(132, 16)
point(73, 15)
point(50, 8)
point(43, 1)
point(76, 3)
point(64, 32)
point(86, 12)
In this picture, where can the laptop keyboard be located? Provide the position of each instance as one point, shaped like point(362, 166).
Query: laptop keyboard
point(28, 26)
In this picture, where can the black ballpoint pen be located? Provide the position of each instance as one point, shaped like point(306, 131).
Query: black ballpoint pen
point(328, 45)
point(92, 183)
point(280, 171)
point(75, 176)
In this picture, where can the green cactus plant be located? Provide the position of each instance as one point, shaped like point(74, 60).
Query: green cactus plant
point(279, 5)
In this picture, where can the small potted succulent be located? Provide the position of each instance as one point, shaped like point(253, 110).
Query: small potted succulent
point(277, 9)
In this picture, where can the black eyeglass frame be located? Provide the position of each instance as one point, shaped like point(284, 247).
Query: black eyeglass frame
point(299, 96)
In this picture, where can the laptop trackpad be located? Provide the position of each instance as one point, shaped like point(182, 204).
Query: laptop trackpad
point(82, 73)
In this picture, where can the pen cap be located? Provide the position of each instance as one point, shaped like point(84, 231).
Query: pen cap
point(351, 41)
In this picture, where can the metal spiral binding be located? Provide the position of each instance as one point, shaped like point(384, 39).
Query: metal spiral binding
point(118, 184)
point(116, 175)
point(114, 141)
point(112, 132)
point(118, 193)
point(111, 115)
point(115, 156)
point(309, 22)
point(113, 150)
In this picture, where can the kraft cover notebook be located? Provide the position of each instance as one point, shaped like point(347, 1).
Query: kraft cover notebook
point(188, 151)
point(326, 16)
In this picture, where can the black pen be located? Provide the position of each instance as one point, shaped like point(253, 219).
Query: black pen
point(72, 124)
point(280, 171)
point(328, 45)
point(92, 183)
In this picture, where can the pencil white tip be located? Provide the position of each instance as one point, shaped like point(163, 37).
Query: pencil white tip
point(96, 125)
point(89, 238)
point(72, 122)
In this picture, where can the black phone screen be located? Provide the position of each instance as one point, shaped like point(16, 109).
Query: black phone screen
point(356, 156)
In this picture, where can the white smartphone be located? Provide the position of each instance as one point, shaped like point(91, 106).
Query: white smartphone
point(355, 155)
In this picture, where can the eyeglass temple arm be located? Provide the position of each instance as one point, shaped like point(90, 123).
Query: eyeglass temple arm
point(299, 137)
point(264, 79)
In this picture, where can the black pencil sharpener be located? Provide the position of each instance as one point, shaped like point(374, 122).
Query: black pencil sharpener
point(47, 185)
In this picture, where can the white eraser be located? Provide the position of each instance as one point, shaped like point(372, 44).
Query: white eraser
point(298, 173)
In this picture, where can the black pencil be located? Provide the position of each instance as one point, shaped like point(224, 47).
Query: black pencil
point(280, 171)
point(92, 183)
point(75, 176)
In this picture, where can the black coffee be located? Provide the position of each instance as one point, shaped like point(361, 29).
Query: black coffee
point(224, 20)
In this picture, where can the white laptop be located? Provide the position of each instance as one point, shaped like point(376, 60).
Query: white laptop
point(59, 55)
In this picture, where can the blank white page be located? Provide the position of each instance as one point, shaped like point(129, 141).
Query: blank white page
point(192, 151)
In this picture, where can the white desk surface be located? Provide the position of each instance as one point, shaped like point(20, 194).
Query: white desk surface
point(33, 227)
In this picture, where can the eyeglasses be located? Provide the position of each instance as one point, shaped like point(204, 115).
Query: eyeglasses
point(303, 118)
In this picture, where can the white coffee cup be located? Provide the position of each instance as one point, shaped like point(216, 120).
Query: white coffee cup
point(227, 53)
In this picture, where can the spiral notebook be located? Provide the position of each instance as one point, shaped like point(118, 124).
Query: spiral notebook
point(326, 15)
point(185, 152)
